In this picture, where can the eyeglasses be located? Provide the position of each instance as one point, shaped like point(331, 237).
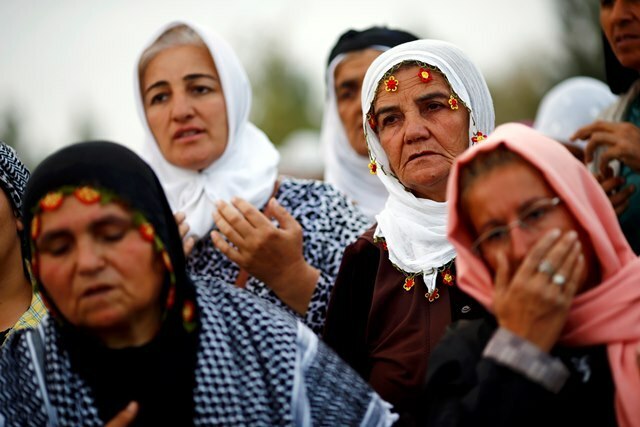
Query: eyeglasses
point(529, 219)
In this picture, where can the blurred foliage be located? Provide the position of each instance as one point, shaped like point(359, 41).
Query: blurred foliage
point(11, 125)
point(516, 95)
point(282, 96)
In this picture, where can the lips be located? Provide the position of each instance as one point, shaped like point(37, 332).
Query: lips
point(95, 290)
point(187, 133)
point(421, 154)
point(626, 38)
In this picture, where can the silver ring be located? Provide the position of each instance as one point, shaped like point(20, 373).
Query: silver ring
point(546, 267)
point(558, 279)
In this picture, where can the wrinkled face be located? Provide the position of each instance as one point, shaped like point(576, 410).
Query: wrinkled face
point(419, 131)
point(185, 106)
point(100, 272)
point(511, 192)
point(348, 77)
point(620, 21)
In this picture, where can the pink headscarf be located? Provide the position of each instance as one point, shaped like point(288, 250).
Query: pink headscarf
point(607, 314)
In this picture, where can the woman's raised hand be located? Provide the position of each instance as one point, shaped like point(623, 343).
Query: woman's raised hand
point(269, 253)
point(534, 302)
point(183, 228)
point(619, 141)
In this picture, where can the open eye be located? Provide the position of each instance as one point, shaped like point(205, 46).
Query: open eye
point(201, 90)
point(345, 94)
point(158, 98)
point(389, 120)
point(494, 235)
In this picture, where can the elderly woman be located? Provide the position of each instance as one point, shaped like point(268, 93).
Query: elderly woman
point(424, 102)
point(615, 139)
point(345, 150)
point(128, 325)
point(540, 247)
point(21, 307)
point(281, 239)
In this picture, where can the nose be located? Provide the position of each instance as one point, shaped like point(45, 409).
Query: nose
point(90, 257)
point(181, 108)
point(520, 242)
point(415, 128)
point(620, 11)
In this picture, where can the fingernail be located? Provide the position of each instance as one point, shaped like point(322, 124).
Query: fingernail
point(572, 234)
point(555, 233)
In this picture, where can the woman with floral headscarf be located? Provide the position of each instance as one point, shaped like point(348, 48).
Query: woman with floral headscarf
point(279, 238)
point(131, 336)
point(540, 247)
point(424, 103)
point(21, 307)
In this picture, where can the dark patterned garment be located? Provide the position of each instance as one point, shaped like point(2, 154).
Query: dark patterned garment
point(255, 366)
point(329, 222)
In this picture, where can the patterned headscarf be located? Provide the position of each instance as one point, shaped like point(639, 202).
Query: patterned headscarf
point(13, 180)
point(608, 314)
point(415, 228)
point(344, 168)
point(248, 166)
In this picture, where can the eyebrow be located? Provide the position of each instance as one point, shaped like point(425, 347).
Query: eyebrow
point(187, 78)
point(419, 100)
point(347, 84)
point(101, 222)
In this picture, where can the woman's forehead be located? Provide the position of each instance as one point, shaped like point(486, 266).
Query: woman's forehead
point(72, 213)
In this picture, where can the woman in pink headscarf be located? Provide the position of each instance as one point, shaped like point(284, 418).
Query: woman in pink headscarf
point(539, 245)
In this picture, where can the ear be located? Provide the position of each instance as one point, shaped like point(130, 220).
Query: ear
point(19, 224)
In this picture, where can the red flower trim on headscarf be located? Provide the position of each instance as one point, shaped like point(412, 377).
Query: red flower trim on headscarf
point(167, 261)
point(147, 231)
point(171, 296)
point(51, 201)
point(453, 102)
point(391, 84)
point(409, 282)
point(188, 311)
point(433, 295)
point(425, 75)
point(35, 227)
point(478, 136)
point(373, 167)
point(447, 277)
point(372, 122)
point(86, 195)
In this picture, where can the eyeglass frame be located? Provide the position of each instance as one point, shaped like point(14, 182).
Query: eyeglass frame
point(518, 222)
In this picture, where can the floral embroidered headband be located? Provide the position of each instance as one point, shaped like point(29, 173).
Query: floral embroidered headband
point(89, 195)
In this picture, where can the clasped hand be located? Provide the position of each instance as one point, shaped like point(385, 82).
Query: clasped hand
point(269, 253)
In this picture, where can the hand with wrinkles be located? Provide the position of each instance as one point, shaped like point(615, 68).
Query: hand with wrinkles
point(183, 228)
point(271, 254)
point(618, 194)
point(528, 303)
point(616, 140)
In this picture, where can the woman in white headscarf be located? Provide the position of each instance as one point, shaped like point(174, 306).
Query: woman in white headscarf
point(279, 238)
point(345, 150)
point(424, 103)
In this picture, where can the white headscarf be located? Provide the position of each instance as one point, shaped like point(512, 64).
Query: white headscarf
point(345, 169)
point(571, 104)
point(248, 166)
point(415, 229)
